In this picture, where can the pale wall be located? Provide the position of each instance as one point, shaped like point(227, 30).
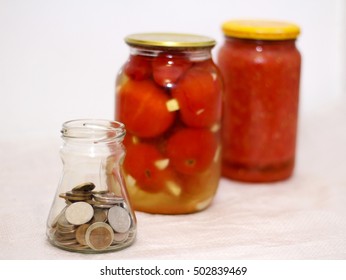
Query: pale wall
point(58, 59)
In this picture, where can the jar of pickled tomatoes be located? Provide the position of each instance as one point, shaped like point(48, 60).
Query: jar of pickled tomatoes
point(260, 65)
point(168, 95)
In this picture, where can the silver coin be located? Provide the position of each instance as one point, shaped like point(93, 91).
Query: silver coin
point(120, 237)
point(56, 219)
point(108, 197)
point(99, 192)
point(63, 223)
point(119, 219)
point(79, 213)
point(97, 204)
point(63, 230)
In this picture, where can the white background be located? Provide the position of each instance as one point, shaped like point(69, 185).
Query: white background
point(59, 59)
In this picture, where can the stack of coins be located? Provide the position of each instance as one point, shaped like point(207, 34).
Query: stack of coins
point(106, 200)
point(92, 221)
point(82, 192)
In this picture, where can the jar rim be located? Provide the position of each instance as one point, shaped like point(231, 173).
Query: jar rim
point(261, 29)
point(170, 40)
point(95, 130)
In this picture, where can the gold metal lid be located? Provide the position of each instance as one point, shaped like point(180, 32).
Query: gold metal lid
point(170, 40)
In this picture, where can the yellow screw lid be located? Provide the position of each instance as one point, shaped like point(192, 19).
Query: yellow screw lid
point(261, 29)
point(169, 40)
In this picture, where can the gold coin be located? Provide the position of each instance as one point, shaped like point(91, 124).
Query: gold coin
point(100, 215)
point(67, 242)
point(99, 236)
point(80, 234)
point(78, 247)
point(64, 236)
point(73, 198)
point(79, 194)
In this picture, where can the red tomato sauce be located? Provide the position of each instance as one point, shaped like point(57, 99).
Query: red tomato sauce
point(260, 108)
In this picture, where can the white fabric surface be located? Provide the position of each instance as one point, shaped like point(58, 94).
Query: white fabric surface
point(301, 218)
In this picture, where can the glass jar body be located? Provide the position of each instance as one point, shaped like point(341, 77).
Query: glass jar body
point(85, 215)
point(260, 108)
point(170, 101)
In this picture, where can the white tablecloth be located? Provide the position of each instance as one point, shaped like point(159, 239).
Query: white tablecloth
point(301, 218)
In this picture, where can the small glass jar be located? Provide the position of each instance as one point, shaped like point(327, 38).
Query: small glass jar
point(260, 65)
point(91, 212)
point(168, 94)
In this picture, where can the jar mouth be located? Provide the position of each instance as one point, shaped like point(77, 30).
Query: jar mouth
point(95, 130)
point(170, 40)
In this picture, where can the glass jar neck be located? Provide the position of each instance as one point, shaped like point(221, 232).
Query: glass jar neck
point(194, 54)
point(92, 131)
point(92, 138)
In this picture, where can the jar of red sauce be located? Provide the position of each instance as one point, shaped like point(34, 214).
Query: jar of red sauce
point(168, 95)
point(260, 65)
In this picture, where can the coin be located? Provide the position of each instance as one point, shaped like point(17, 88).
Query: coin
point(67, 242)
point(57, 217)
point(63, 223)
point(119, 219)
point(99, 236)
point(108, 197)
point(100, 215)
point(62, 229)
point(79, 194)
point(84, 225)
point(84, 187)
point(80, 234)
point(97, 204)
point(64, 236)
point(120, 237)
point(79, 213)
point(72, 198)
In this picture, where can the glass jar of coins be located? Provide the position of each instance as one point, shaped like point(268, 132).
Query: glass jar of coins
point(91, 212)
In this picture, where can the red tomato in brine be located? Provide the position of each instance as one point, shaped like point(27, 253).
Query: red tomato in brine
point(199, 98)
point(141, 163)
point(167, 69)
point(191, 150)
point(141, 106)
point(138, 67)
